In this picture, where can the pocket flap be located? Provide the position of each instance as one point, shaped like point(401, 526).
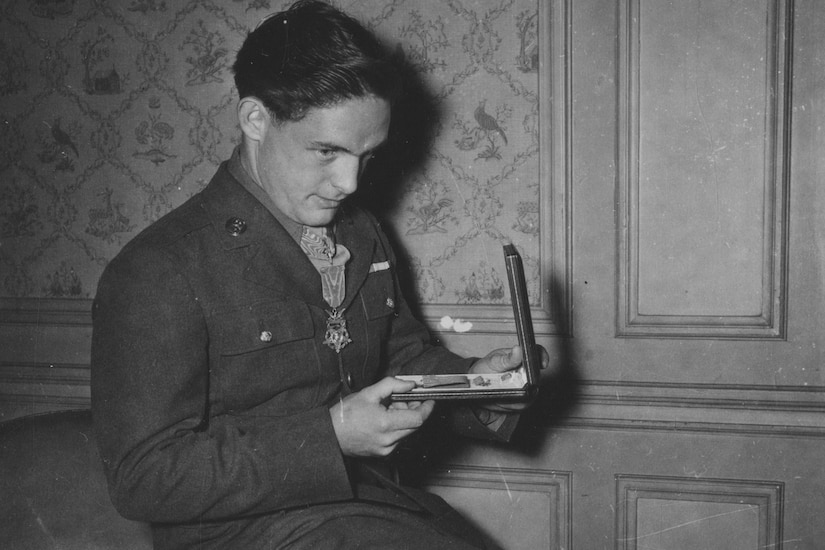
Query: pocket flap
point(262, 325)
point(379, 295)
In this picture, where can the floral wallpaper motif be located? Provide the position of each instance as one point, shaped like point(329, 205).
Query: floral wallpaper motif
point(113, 112)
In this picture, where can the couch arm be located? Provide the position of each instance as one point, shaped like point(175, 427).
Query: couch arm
point(54, 493)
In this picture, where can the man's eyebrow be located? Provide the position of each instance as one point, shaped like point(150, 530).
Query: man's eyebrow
point(328, 145)
point(339, 148)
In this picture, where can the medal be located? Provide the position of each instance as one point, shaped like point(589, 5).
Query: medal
point(329, 259)
point(337, 335)
point(332, 285)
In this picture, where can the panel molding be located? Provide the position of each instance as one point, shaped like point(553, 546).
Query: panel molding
point(552, 315)
point(44, 386)
point(751, 397)
point(740, 410)
point(58, 377)
point(556, 486)
point(766, 496)
point(771, 321)
point(46, 311)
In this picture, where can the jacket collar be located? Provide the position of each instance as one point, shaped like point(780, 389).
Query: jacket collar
point(274, 259)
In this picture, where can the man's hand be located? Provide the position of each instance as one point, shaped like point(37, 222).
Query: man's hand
point(499, 360)
point(365, 426)
point(503, 360)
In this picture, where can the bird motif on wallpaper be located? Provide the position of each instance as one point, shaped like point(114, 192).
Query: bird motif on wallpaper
point(487, 122)
point(485, 135)
point(209, 55)
point(62, 138)
point(57, 146)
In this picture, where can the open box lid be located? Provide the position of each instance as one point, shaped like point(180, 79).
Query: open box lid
point(519, 384)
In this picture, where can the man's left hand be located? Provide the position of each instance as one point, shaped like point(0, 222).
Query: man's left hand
point(503, 360)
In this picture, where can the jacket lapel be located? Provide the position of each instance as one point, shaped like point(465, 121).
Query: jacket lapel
point(360, 241)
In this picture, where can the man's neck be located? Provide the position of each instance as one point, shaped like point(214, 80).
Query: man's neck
point(238, 167)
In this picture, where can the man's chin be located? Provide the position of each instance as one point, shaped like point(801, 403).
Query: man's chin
point(321, 217)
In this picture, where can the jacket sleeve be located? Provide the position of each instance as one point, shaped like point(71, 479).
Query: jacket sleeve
point(165, 459)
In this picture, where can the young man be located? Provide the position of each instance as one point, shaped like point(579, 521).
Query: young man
point(244, 345)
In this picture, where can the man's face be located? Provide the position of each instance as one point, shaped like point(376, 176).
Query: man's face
point(310, 166)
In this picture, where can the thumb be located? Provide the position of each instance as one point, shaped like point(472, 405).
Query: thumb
point(386, 387)
point(510, 360)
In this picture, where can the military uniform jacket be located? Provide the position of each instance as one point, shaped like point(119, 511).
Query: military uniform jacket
point(211, 385)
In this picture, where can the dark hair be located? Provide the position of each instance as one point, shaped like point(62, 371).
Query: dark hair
point(312, 55)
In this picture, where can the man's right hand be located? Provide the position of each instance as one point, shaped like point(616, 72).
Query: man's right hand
point(366, 426)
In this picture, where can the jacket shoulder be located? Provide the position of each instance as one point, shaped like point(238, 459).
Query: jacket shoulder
point(155, 249)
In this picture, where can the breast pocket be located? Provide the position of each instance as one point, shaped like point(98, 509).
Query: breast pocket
point(378, 295)
point(266, 353)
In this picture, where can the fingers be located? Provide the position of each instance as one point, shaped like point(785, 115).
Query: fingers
point(385, 387)
point(500, 360)
point(405, 421)
point(403, 405)
point(506, 359)
point(545, 358)
point(503, 407)
point(365, 426)
point(411, 417)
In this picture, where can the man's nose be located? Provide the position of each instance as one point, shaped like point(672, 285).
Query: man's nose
point(346, 177)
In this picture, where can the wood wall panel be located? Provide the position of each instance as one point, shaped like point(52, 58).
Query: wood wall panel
point(526, 497)
point(520, 509)
point(44, 355)
point(704, 99)
point(712, 514)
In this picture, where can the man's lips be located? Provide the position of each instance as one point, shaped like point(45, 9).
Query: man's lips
point(330, 203)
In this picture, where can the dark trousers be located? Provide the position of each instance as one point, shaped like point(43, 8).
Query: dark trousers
point(356, 525)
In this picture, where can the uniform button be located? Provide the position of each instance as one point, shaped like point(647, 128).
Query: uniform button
point(349, 379)
point(235, 226)
point(266, 336)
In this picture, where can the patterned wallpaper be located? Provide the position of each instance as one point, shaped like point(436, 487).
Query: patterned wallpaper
point(115, 111)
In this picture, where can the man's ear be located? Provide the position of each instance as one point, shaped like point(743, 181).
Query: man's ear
point(253, 117)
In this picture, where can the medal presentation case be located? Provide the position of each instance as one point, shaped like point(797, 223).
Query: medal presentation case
point(518, 384)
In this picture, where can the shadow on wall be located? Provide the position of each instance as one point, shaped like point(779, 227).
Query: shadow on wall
point(415, 119)
point(557, 396)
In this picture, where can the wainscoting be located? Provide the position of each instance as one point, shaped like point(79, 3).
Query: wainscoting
point(671, 512)
point(45, 355)
point(527, 508)
point(629, 466)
